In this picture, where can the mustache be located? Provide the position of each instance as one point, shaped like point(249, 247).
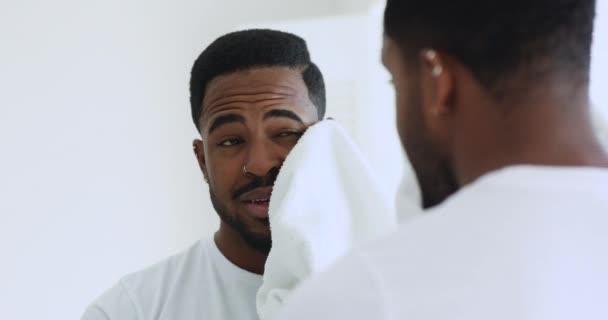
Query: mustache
point(257, 182)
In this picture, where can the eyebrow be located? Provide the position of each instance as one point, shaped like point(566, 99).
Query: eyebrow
point(283, 113)
point(225, 119)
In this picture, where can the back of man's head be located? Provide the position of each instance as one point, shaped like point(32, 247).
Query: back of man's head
point(498, 39)
point(488, 84)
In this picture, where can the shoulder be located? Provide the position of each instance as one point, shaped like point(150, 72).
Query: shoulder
point(350, 289)
point(149, 287)
point(366, 282)
point(169, 270)
point(114, 304)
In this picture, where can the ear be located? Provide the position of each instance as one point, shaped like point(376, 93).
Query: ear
point(199, 152)
point(438, 83)
point(437, 75)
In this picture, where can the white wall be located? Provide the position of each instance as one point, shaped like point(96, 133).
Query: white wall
point(97, 176)
point(96, 173)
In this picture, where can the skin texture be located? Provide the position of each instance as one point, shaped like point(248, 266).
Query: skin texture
point(250, 118)
point(454, 131)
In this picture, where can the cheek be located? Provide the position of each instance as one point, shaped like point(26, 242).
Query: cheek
point(404, 114)
point(223, 172)
point(412, 128)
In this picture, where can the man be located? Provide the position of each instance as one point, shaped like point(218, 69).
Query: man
point(253, 94)
point(492, 99)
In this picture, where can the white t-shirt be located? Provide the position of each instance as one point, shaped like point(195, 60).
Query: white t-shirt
point(199, 284)
point(522, 243)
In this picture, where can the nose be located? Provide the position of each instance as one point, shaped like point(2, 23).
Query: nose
point(263, 157)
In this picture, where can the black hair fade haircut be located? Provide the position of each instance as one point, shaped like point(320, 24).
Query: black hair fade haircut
point(496, 39)
point(248, 49)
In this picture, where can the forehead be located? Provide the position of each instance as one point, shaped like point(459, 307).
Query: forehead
point(281, 83)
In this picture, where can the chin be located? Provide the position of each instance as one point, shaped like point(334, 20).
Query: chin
point(259, 230)
point(261, 242)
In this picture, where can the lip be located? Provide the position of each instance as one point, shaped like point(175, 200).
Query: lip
point(257, 201)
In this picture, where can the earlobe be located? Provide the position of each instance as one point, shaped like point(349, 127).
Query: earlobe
point(199, 153)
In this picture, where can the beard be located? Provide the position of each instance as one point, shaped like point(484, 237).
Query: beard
point(258, 241)
point(436, 178)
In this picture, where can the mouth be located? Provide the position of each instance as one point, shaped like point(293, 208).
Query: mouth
point(257, 202)
point(257, 208)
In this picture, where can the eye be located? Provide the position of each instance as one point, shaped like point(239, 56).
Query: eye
point(292, 133)
point(230, 142)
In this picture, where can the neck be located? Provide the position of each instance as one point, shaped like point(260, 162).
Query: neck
point(550, 135)
point(237, 251)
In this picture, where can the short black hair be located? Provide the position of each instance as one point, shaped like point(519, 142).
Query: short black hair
point(498, 38)
point(248, 49)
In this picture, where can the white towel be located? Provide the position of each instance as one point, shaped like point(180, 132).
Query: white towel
point(325, 201)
